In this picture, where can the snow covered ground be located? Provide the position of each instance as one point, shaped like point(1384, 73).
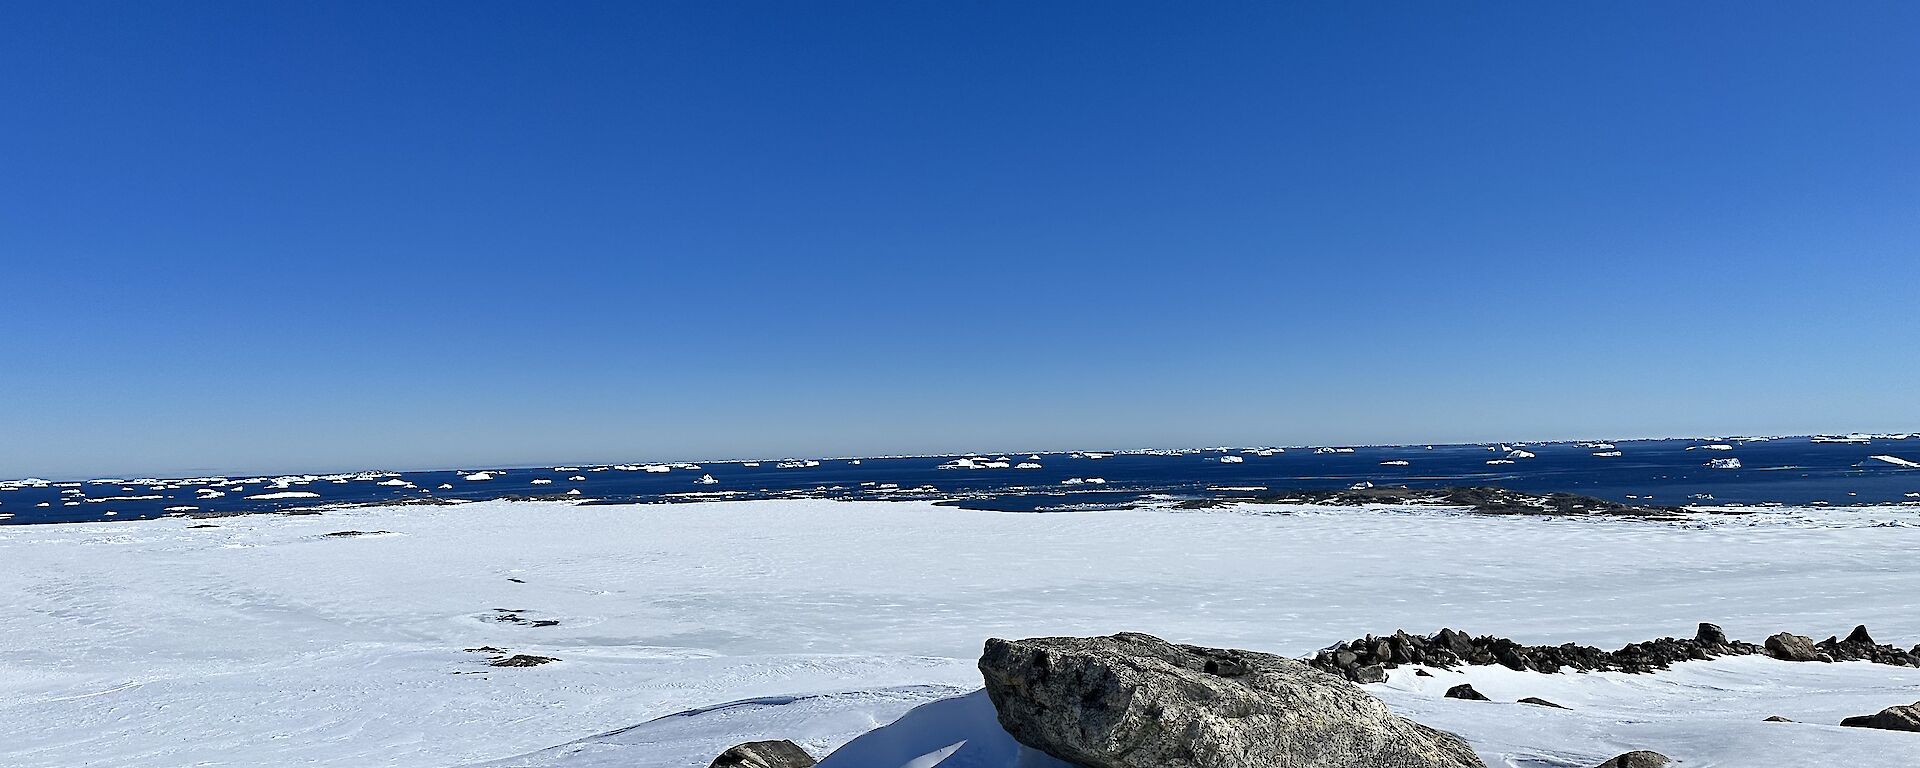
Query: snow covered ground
point(264, 642)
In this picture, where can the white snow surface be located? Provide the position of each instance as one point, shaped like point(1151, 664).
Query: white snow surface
point(264, 642)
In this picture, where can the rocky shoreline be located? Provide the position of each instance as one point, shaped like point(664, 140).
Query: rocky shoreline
point(1485, 500)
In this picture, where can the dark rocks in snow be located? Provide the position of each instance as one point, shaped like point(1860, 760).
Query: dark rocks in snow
point(1776, 719)
point(1639, 758)
point(512, 616)
point(1539, 702)
point(1859, 646)
point(350, 534)
point(1786, 646)
point(1466, 691)
point(1903, 718)
point(1449, 648)
point(764, 754)
point(1483, 500)
point(1136, 701)
point(1372, 673)
point(521, 660)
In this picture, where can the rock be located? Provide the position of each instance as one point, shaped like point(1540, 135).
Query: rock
point(1639, 758)
point(1538, 702)
point(1466, 691)
point(1859, 635)
point(1905, 718)
point(1450, 647)
point(1776, 719)
point(1372, 673)
point(1790, 647)
point(1136, 701)
point(1710, 635)
point(522, 660)
point(1422, 673)
point(764, 754)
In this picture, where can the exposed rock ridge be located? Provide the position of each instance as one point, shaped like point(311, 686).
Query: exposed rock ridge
point(1484, 500)
point(1367, 659)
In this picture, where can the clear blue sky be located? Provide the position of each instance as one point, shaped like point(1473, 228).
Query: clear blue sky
point(256, 236)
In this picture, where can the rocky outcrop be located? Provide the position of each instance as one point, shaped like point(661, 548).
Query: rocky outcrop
point(764, 754)
point(1791, 647)
point(1637, 759)
point(1539, 702)
point(1904, 718)
point(1484, 500)
point(1135, 701)
point(521, 660)
point(1449, 648)
point(1366, 659)
point(1859, 646)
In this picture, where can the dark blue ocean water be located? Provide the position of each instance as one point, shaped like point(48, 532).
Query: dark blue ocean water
point(1794, 471)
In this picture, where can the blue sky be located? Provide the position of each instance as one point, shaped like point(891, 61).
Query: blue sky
point(246, 237)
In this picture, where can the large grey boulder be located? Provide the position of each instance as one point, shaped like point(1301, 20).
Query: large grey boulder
point(764, 754)
point(1136, 701)
point(1905, 718)
point(1637, 759)
point(1790, 647)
